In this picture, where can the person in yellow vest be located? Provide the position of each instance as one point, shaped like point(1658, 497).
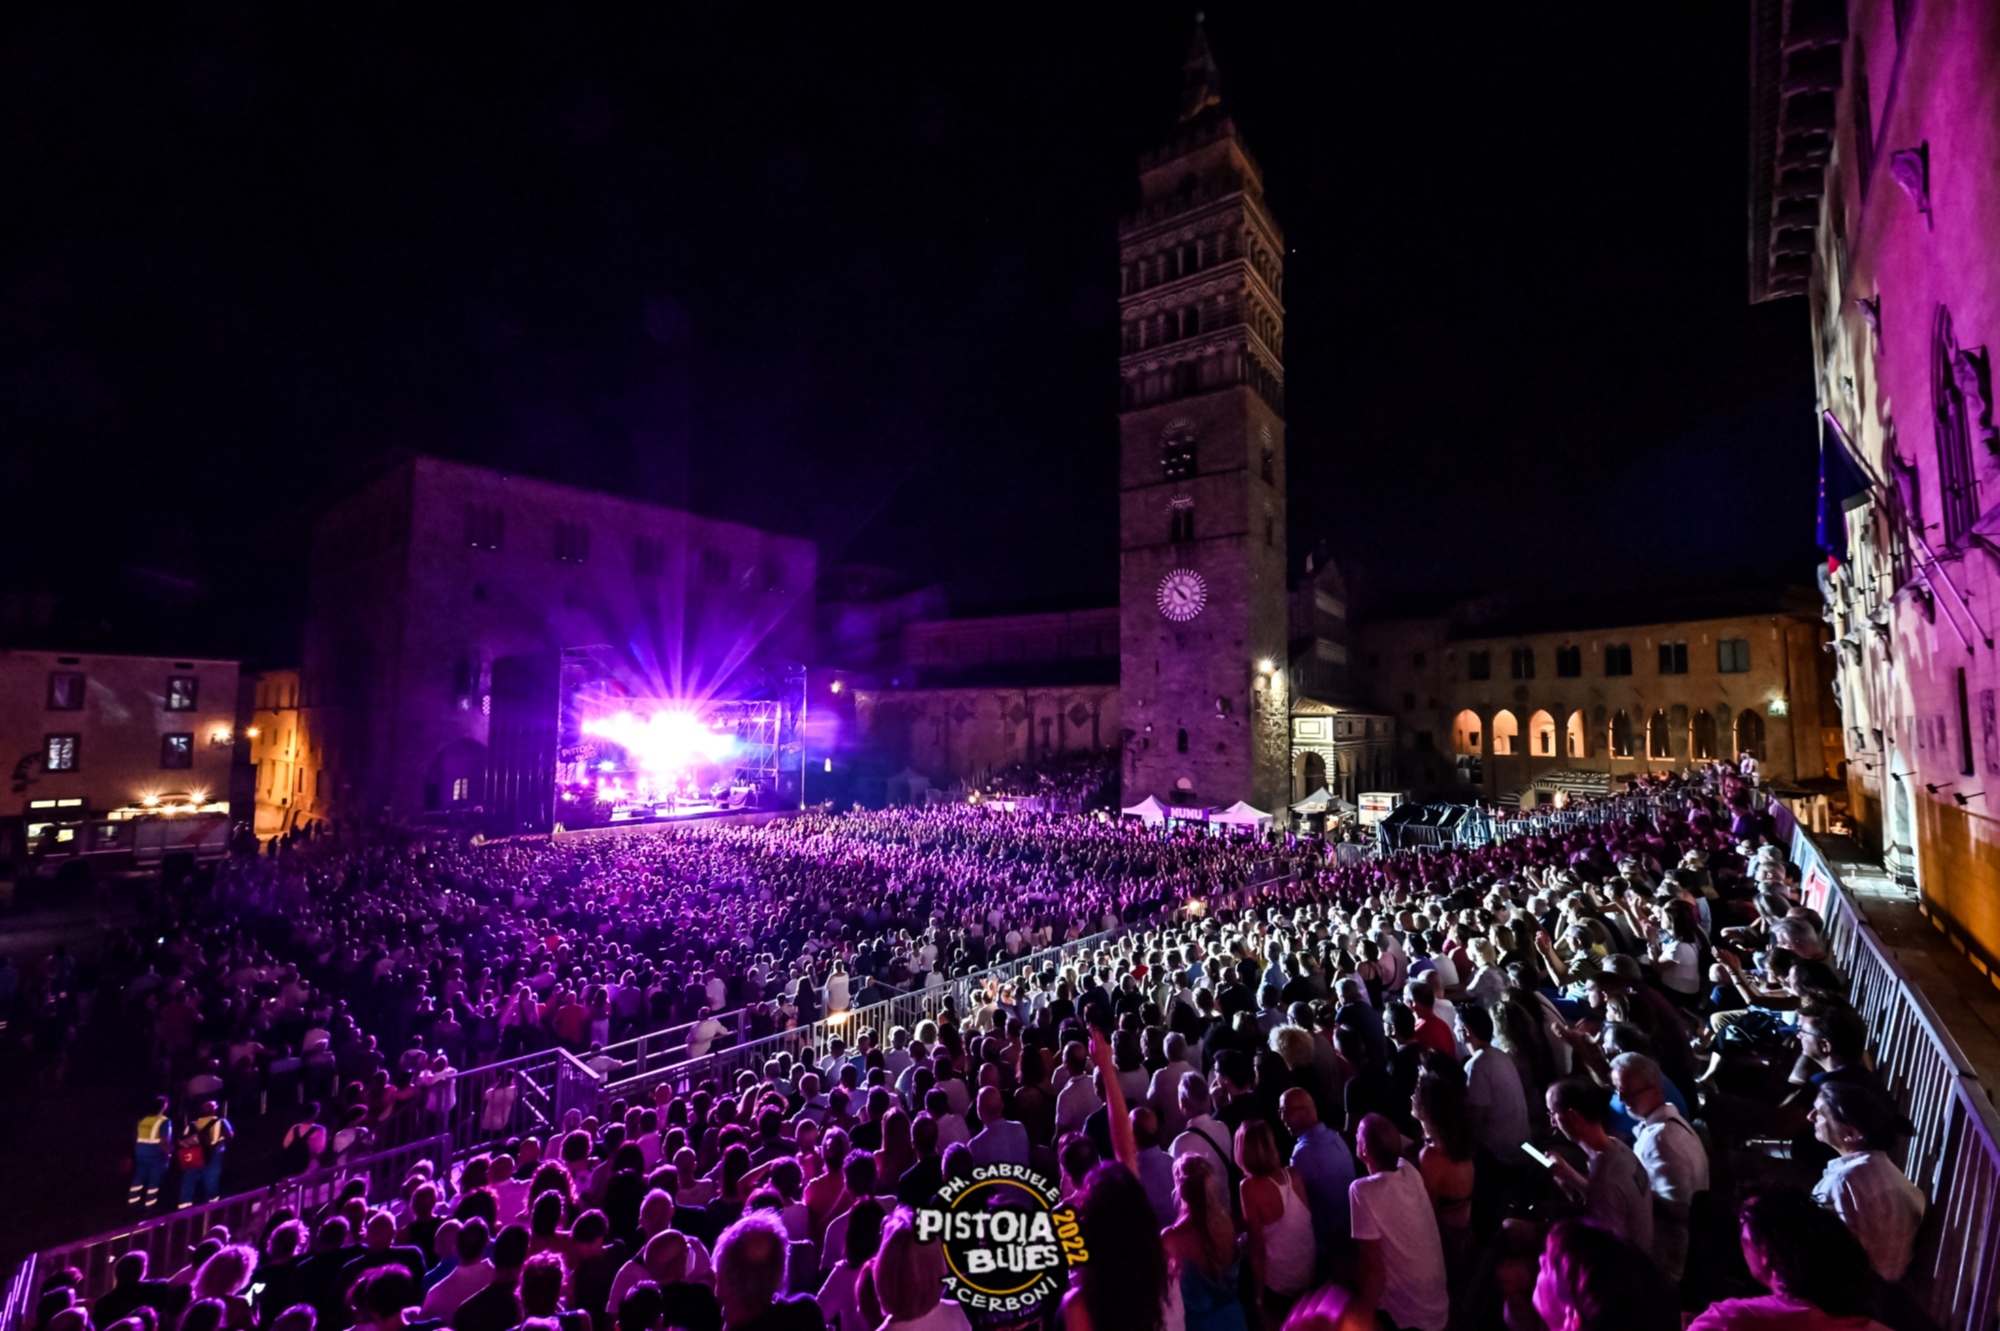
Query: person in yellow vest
point(199, 1151)
point(149, 1155)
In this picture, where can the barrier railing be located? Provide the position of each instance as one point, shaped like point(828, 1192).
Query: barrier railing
point(1955, 1155)
point(169, 1240)
point(529, 1094)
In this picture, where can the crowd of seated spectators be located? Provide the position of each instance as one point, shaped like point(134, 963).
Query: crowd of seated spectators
point(1601, 1079)
point(1075, 782)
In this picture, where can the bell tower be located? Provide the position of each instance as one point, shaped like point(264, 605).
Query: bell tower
point(1202, 468)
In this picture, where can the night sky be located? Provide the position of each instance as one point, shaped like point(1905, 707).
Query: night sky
point(850, 271)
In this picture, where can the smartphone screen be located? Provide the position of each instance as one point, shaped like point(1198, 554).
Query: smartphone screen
point(1540, 1157)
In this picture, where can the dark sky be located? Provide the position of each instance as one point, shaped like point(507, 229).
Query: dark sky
point(849, 271)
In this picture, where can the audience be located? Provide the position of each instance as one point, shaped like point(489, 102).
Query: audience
point(1279, 1085)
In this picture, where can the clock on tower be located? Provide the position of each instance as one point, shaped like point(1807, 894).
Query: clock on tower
point(1202, 468)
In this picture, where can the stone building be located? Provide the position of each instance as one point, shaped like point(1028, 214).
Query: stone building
point(91, 733)
point(1875, 194)
point(1493, 708)
point(287, 765)
point(428, 579)
point(968, 697)
point(1202, 591)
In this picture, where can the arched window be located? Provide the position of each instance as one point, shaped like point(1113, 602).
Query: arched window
point(1506, 732)
point(1956, 482)
point(1704, 735)
point(1465, 732)
point(1177, 451)
point(1621, 734)
point(1750, 734)
point(1181, 524)
point(1180, 740)
point(1574, 735)
point(1542, 735)
point(1659, 743)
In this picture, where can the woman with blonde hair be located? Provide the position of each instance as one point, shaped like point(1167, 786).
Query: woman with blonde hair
point(908, 1280)
point(1201, 1248)
point(1276, 1212)
point(224, 1277)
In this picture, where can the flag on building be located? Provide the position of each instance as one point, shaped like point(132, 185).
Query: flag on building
point(1842, 486)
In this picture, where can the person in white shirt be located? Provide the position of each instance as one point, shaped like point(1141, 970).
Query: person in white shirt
point(1163, 1094)
point(707, 1030)
point(1493, 1089)
point(1862, 1184)
point(1079, 1099)
point(951, 1126)
point(510, 1194)
point(1205, 1135)
point(472, 1274)
point(1676, 1162)
point(1396, 1233)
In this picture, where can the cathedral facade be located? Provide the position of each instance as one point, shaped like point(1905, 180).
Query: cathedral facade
point(1202, 597)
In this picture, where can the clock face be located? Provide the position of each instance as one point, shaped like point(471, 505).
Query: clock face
point(1182, 594)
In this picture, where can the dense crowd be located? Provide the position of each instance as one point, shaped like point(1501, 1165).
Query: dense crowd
point(1591, 1080)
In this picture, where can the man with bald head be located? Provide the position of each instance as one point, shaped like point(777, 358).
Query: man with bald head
point(1326, 1165)
point(1000, 1139)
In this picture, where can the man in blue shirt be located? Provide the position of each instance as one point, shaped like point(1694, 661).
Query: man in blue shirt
point(1326, 1165)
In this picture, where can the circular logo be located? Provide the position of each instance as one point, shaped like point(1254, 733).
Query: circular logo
point(1007, 1238)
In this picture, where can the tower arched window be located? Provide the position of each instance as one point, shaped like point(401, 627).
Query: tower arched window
point(1958, 486)
point(1181, 741)
point(1180, 524)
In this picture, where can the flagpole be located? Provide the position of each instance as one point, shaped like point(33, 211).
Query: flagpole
point(1916, 535)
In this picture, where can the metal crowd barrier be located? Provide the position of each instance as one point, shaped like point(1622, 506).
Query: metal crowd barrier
point(530, 1094)
point(169, 1240)
point(1955, 1155)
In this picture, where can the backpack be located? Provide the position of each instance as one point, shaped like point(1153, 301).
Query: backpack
point(296, 1154)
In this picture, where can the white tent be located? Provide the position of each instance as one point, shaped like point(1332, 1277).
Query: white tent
point(1241, 814)
point(1323, 801)
point(1148, 809)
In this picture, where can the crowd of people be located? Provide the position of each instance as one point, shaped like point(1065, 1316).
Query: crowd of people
point(1590, 1080)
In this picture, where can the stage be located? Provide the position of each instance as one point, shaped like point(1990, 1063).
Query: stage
point(723, 817)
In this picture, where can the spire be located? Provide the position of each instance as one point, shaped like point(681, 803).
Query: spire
point(1202, 82)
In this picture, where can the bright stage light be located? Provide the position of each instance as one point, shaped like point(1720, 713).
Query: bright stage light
point(664, 741)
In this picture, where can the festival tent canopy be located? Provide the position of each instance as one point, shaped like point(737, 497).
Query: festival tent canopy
point(1241, 814)
point(1148, 809)
point(1323, 801)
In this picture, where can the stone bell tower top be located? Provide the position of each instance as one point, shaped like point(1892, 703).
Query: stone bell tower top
point(1202, 466)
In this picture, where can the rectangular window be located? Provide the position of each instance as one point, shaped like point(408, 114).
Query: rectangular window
point(66, 690)
point(1424, 741)
point(1732, 656)
point(1479, 665)
point(1965, 767)
point(59, 753)
point(1569, 662)
point(182, 691)
point(485, 528)
point(1673, 658)
point(1618, 659)
point(177, 751)
point(649, 557)
point(572, 543)
point(1409, 702)
point(1523, 662)
point(714, 568)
